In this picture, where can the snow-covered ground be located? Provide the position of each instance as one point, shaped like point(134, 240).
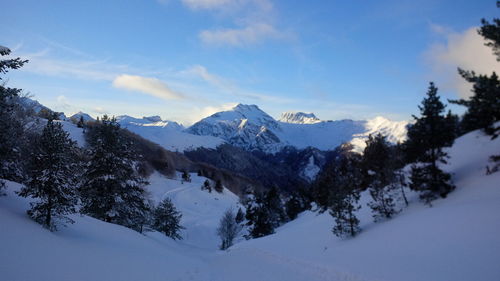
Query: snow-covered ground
point(170, 135)
point(201, 210)
point(456, 239)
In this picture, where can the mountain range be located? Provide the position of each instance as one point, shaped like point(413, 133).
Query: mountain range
point(250, 128)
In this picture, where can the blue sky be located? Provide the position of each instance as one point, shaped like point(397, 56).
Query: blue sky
point(185, 59)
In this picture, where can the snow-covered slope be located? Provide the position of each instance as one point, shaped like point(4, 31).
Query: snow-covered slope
point(299, 118)
point(76, 117)
point(201, 210)
point(456, 239)
point(249, 127)
point(168, 134)
point(244, 125)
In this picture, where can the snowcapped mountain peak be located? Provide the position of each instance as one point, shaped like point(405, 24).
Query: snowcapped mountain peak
point(155, 118)
point(245, 107)
point(81, 114)
point(299, 118)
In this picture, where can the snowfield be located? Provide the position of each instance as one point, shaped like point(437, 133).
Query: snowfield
point(456, 239)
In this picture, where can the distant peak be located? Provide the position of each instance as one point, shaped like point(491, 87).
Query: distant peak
point(299, 118)
point(154, 118)
point(245, 107)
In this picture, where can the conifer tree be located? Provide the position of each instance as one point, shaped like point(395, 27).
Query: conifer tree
point(344, 198)
point(11, 129)
point(51, 177)
point(491, 32)
point(259, 219)
point(240, 216)
point(293, 207)
point(112, 190)
point(228, 229)
point(207, 186)
point(186, 177)
point(430, 133)
point(81, 122)
point(218, 186)
point(483, 107)
point(167, 219)
point(380, 177)
point(274, 206)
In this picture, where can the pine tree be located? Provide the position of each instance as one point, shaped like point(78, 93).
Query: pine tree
point(228, 229)
point(218, 186)
point(430, 133)
point(186, 177)
point(240, 216)
point(10, 127)
point(483, 107)
point(274, 206)
point(207, 186)
point(258, 217)
point(491, 32)
point(81, 122)
point(112, 190)
point(52, 177)
point(293, 207)
point(167, 219)
point(344, 198)
point(380, 177)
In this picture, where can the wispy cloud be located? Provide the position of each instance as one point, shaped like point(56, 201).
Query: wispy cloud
point(207, 4)
point(239, 37)
point(228, 87)
point(465, 50)
point(252, 21)
point(146, 85)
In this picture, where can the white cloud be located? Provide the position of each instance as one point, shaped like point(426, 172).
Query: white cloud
point(145, 85)
point(254, 20)
point(206, 4)
point(465, 50)
point(63, 102)
point(245, 36)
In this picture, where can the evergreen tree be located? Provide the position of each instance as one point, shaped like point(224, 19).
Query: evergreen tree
point(274, 206)
point(430, 133)
point(259, 219)
point(167, 219)
point(10, 126)
point(186, 177)
point(491, 32)
point(228, 229)
point(51, 177)
point(344, 198)
point(207, 186)
point(218, 186)
point(240, 216)
point(483, 107)
point(81, 122)
point(112, 190)
point(322, 186)
point(293, 207)
point(380, 177)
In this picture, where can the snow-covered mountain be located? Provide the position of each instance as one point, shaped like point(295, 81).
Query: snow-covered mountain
point(456, 239)
point(299, 118)
point(76, 117)
point(168, 134)
point(245, 126)
point(249, 127)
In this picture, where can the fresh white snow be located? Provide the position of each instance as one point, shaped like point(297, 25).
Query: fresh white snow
point(170, 135)
point(456, 239)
